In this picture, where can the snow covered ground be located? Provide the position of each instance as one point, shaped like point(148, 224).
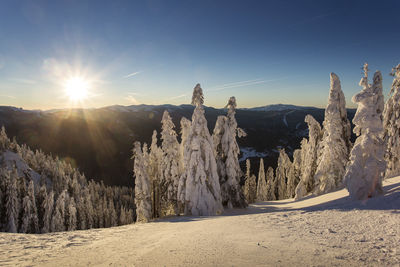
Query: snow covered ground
point(329, 230)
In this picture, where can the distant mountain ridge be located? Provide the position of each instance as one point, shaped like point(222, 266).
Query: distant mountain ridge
point(99, 140)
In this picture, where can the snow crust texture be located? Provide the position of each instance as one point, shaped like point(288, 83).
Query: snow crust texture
point(328, 230)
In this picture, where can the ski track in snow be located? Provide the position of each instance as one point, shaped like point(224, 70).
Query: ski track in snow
point(328, 230)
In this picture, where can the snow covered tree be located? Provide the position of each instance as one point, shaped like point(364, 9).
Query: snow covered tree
point(294, 174)
point(366, 168)
point(90, 213)
point(335, 145)
point(250, 185)
point(309, 155)
point(391, 125)
point(282, 173)
point(227, 152)
point(113, 213)
point(12, 206)
point(169, 167)
point(271, 184)
point(262, 190)
point(152, 165)
point(48, 206)
point(199, 189)
point(40, 199)
point(142, 186)
point(58, 219)
point(30, 222)
point(71, 215)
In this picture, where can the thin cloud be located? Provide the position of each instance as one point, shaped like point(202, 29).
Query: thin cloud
point(134, 93)
point(132, 74)
point(176, 97)
point(8, 96)
point(26, 81)
point(132, 100)
point(244, 83)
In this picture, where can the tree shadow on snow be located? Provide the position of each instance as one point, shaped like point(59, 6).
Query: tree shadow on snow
point(390, 200)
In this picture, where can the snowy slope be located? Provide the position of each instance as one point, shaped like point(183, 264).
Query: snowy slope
point(10, 159)
point(329, 230)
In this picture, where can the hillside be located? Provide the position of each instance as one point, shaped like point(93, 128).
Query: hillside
point(99, 141)
point(328, 230)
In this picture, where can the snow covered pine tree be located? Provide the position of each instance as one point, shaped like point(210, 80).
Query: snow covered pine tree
point(227, 152)
point(335, 145)
point(366, 168)
point(391, 123)
point(142, 186)
point(199, 187)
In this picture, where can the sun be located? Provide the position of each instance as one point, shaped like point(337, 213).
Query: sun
point(76, 88)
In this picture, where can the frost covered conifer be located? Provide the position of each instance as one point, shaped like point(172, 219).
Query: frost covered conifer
point(262, 190)
point(152, 162)
point(271, 184)
point(58, 219)
point(250, 185)
point(391, 125)
point(142, 186)
point(169, 167)
point(30, 222)
point(309, 155)
point(366, 168)
point(335, 145)
point(227, 152)
point(282, 173)
point(294, 174)
point(199, 189)
point(71, 218)
point(48, 206)
point(12, 208)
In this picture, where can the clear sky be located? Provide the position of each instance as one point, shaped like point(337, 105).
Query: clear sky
point(154, 52)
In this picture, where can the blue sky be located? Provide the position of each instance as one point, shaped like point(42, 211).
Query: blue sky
point(154, 52)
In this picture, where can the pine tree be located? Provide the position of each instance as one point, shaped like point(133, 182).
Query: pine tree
point(12, 205)
point(262, 190)
point(282, 173)
point(309, 156)
point(366, 168)
point(71, 218)
point(113, 213)
point(335, 145)
point(169, 165)
point(48, 206)
point(199, 189)
point(250, 185)
point(30, 222)
point(271, 184)
point(90, 213)
point(227, 151)
point(152, 164)
point(40, 199)
point(294, 174)
point(391, 125)
point(142, 186)
point(58, 219)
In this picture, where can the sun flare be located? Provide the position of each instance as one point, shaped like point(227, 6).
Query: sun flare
point(76, 88)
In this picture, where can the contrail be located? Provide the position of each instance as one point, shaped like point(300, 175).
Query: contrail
point(132, 74)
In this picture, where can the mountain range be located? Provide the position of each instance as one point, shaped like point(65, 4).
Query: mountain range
point(99, 141)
